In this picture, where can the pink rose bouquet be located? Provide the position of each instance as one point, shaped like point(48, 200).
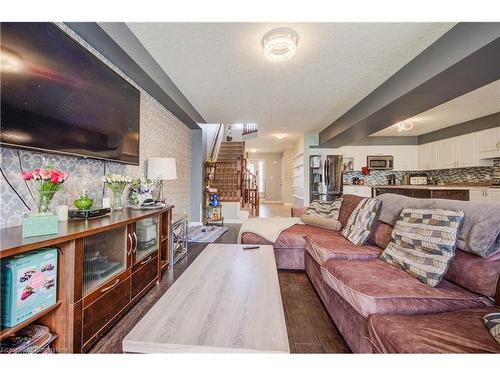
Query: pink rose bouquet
point(48, 181)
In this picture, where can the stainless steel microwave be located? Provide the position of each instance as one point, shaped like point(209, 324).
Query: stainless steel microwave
point(380, 162)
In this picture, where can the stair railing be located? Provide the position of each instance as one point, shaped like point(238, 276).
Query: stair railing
point(250, 192)
point(249, 128)
point(214, 146)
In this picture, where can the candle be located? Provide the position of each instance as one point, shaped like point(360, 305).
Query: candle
point(62, 213)
point(106, 202)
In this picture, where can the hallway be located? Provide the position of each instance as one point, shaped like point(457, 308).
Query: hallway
point(274, 210)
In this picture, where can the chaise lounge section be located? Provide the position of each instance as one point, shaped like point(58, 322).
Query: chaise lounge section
point(380, 308)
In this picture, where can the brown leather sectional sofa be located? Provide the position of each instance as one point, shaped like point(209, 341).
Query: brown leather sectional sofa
point(380, 308)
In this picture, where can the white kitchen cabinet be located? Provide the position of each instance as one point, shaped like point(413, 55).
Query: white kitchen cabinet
point(429, 156)
point(494, 195)
point(467, 150)
point(448, 153)
point(485, 195)
point(423, 156)
point(360, 190)
point(405, 157)
point(360, 154)
point(489, 140)
point(489, 143)
point(478, 195)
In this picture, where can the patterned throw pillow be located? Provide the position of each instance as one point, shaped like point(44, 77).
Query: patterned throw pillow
point(362, 221)
point(328, 210)
point(492, 322)
point(423, 242)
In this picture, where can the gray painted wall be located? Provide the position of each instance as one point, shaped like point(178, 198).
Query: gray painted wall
point(198, 152)
point(468, 51)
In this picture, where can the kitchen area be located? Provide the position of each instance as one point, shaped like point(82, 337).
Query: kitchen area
point(464, 167)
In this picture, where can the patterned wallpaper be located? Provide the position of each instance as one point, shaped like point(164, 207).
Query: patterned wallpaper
point(471, 175)
point(162, 135)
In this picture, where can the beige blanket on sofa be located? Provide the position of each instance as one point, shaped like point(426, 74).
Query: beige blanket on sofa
point(268, 228)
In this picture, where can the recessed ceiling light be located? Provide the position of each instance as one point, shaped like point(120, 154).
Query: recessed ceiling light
point(280, 135)
point(404, 126)
point(280, 44)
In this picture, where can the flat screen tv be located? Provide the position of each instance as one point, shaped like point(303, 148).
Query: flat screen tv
point(58, 97)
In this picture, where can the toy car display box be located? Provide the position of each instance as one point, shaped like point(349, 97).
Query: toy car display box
point(28, 285)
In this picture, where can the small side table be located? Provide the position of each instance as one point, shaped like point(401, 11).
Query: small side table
point(179, 238)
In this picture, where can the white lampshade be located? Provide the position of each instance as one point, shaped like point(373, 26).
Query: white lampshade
point(162, 169)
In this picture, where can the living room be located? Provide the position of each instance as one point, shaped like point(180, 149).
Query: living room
point(321, 187)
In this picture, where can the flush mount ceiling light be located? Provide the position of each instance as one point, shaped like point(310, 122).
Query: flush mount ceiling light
point(404, 126)
point(280, 44)
point(282, 133)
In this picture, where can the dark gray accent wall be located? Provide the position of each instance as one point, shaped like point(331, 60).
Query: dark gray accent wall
point(463, 59)
point(198, 155)
point(119, 45)
point(486, 122)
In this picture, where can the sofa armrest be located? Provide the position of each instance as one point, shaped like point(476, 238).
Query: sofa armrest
point(298, 211)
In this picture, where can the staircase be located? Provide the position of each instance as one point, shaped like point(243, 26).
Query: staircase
point(228, 172)
point(233, 181)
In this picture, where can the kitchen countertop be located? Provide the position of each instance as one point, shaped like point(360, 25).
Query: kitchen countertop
point(433, 187)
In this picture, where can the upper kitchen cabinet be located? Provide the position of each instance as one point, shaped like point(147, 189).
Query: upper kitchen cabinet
point(448, 153)
point(429, 156)
point(489, 143)
point(405, 157)
point(467, 150)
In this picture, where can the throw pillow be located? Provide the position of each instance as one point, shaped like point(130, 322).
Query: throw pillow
point(492, 322)
point(321, 222)
point(423, 242)
point(362, 221)
point(329, 210)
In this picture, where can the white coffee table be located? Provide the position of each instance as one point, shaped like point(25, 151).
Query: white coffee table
point(228, 300)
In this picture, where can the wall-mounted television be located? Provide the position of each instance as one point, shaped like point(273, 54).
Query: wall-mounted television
point(58, 97)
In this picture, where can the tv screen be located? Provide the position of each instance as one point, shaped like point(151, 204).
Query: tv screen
point(58, 97)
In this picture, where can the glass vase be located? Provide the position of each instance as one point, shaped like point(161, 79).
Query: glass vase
point(116, 200)
point(45, 201)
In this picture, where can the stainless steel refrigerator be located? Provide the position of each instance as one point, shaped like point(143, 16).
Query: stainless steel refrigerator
point(325, 177)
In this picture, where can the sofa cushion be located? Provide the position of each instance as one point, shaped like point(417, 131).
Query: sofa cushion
point(492, 322)
point(376, 287)
point(293, 237)
point(423, 243)
point(480, 275)
point(323, 248)
point(450, 332)
point(381, 235)
point(362, 221)
point(321, 222)
point(349, 204)
point(479, 233)
point(324, 209)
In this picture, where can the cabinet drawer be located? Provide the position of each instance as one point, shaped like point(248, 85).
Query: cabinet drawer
point(144, 273)
point(101, 311)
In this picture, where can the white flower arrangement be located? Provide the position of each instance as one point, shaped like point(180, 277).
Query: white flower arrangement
point(116, 178)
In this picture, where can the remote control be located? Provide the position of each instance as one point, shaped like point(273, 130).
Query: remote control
point(250, 247)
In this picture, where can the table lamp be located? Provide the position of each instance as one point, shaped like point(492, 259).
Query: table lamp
point(161, 169)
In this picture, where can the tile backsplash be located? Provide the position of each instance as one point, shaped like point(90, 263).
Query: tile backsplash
point(473, 175)
point(162, 135)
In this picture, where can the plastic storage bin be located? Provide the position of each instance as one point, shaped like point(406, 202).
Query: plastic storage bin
point(28, 285)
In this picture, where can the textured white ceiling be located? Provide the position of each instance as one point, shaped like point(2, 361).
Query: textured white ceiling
point(478, 103)
point(221, 69)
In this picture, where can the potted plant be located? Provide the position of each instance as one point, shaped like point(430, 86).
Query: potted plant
point(47, 181)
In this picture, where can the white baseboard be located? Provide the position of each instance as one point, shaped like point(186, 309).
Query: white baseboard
point(288, 204)
point(272, 202)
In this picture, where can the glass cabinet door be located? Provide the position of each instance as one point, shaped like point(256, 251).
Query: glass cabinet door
point(104, 256)
point(146, 233)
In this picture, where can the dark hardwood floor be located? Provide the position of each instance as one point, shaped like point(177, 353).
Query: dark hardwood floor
point(310, 329)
